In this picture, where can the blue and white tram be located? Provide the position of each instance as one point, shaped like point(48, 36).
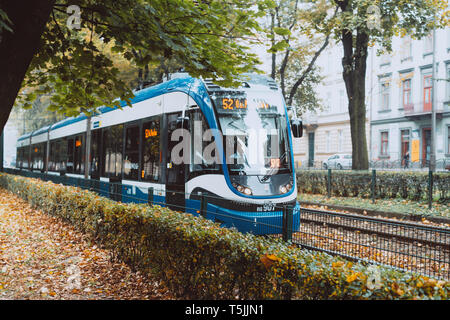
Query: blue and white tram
point(235, 147)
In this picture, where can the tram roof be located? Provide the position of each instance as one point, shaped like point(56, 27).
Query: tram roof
point(185, 83)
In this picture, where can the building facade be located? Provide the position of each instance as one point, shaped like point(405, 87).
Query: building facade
point(403, 101)
point(327, 130)
point(399, 100)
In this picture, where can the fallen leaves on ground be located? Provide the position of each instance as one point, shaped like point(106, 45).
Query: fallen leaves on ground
point(42, 257)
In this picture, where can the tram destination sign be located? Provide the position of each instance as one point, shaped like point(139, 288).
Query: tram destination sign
point(237, 102)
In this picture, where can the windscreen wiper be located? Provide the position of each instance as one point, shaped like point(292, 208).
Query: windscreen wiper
point(272, 169)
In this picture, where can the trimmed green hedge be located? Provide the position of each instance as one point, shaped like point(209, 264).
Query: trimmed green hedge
point(197, 259)
point(389, 184)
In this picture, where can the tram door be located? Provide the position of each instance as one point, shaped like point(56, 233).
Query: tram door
point(175, 172)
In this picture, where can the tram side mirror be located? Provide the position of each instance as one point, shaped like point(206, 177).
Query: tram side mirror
point(183, 123)
point(297, 128)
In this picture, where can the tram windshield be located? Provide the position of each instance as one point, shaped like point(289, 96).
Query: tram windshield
point(254, 128)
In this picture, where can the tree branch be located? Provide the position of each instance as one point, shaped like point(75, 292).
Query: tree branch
point(307, 70)
point(310, 65)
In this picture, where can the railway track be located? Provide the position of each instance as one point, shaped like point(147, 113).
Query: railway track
point(406, 231)
point(404, 245)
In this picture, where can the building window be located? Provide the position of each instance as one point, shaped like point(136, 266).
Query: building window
point(328, 102)
point(328, 142)
point(385, 95)
point(448, 83)
point(340, 140)
point(427, 92)
point(385, 59)
point(406, 93)
point(406, 49)
point(341, 101)
point(448, 140)
point(330, 61)
point(405, 142)
point(428, 44)
point(384, 143)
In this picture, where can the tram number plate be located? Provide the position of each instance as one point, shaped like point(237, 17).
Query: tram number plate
point(268, 206)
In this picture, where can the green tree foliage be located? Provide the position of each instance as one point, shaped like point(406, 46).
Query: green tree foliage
point(208, 36)
point(5, 23)
point(297, 35)
point(360, 23)
point(27, 120)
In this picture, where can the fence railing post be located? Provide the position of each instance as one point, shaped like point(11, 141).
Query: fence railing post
point(112, 190)
point(374, 181)
point(150, 196)
point(430, 189)
point(287, 223)
point(203, 205)
point(329, 184)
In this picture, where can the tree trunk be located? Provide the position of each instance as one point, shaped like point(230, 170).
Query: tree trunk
point(273, 74)
point(354, 65)
point(17, 49)
point(87, 160)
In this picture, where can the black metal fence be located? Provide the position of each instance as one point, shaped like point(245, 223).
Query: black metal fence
point(417, 186)
point(402, 245)
point(382, 164)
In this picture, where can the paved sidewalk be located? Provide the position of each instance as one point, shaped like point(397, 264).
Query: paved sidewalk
point(42, 257)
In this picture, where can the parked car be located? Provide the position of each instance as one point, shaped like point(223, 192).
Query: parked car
point(338, 161)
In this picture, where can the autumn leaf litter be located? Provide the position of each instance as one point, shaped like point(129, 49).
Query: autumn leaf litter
point(42, 257)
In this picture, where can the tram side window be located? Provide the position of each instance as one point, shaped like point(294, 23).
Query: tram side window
point(106, 153)
point(58, 155)
point(203, 151)
point(61, 155)
point(43, 156)
point(112, 155)
point(151, 156)
point(52, 156)
point(25, 162)
point(20, 157)
point(37, 155)
point(70, 155)
point(131, 158)
point(95, 153)
point(33, 157)
point(78, 157)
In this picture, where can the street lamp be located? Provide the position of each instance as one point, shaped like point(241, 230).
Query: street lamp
point(433, 107)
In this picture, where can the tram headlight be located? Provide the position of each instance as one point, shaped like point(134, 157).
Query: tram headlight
point(286, 188)
point(245, 190)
